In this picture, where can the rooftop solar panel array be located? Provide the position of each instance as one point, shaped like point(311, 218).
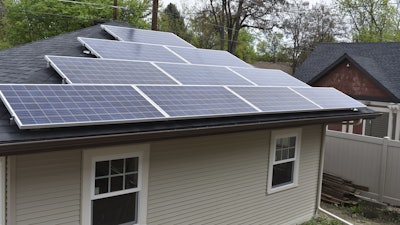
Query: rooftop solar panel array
point(165, 83)
point(145, 36)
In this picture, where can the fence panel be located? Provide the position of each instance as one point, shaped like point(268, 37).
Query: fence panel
point(368, 161)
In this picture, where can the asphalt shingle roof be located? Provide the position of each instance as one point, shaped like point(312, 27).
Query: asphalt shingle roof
point(380, 60)
point(26, 63)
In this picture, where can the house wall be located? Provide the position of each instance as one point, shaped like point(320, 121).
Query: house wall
point(352, 81)
point(222, 180)
point(46, 188)
point(218, 179)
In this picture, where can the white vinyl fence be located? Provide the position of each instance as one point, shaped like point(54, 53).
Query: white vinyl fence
point(367, 161)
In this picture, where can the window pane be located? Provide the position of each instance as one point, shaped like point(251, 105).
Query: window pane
point(292, 141)
point(291, 152)
point(102, 168)
point(120, 209)
point(131, 181)
point(132, 165)
point(278, 155)
point(116, 183)
point(285, 153)
point(279, 143)
point(101, 186)
point(282, 174)
point(117, 166)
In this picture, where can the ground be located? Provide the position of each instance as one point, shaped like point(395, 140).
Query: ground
point(365, 213)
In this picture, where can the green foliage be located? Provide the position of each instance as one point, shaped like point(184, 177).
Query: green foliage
point(170, 20)
point(245, 46)
point(271, 49)
point(372, 20)
point(323, 220)
point(27, 20)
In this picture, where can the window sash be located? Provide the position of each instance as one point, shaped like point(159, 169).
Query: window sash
point(115, 193)
point(277, 144)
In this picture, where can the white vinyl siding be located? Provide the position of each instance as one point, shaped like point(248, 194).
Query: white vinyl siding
point(217, 179)
point(222, 179)
point(47, 188)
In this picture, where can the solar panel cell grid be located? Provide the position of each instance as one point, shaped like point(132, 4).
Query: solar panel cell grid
point(329, 98)
point(269, 77)
point(209, 57)
point(101, 71)
point(128, 50)
point(275, 99)
point(64, 105)
point(203, 75)
point(146, 36)
point(187, 101)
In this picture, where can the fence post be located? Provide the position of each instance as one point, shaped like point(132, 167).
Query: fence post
point(382, 175)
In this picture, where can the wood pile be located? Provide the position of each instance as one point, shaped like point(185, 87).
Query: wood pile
point(337, 190)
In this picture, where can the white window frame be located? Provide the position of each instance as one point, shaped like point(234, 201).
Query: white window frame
point(89, 159)
point(275, 135)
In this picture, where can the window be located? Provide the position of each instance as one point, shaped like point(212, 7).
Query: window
point(284, 160)
point(115, 186)
point(115, 191)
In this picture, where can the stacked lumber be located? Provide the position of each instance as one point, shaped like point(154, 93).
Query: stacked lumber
point(337, 190)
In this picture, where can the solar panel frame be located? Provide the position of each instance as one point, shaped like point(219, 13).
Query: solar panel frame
point(328, 98)
point(107, 71)
point(269, 77)
point(146, 36)
point(129, 50)
point(189, 74)
point(187, 101)
point(209, 57)
point(45, 106)
point(275, 99)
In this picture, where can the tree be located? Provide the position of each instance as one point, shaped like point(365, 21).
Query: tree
point(172, 21)
point(27, 20)
point(268, 49)
point(228, 17)
point(372, 20)
point(245, 46)
point(306, 27)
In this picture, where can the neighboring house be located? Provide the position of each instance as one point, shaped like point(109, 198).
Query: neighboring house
point(185, 144)
point(368, 72)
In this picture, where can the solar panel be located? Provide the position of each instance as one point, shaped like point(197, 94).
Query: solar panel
point(189, 101)
point(128, 50)
point(275, 99)
point(103, 71)
point(329, 98)
point(202, 75)
point(209, 57)
point(269, 77)
point(37, 106)
point(145, 36)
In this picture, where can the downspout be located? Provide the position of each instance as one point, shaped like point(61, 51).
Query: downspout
point(321, 171)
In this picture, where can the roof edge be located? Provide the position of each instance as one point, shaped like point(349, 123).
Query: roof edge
point(172, 133)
